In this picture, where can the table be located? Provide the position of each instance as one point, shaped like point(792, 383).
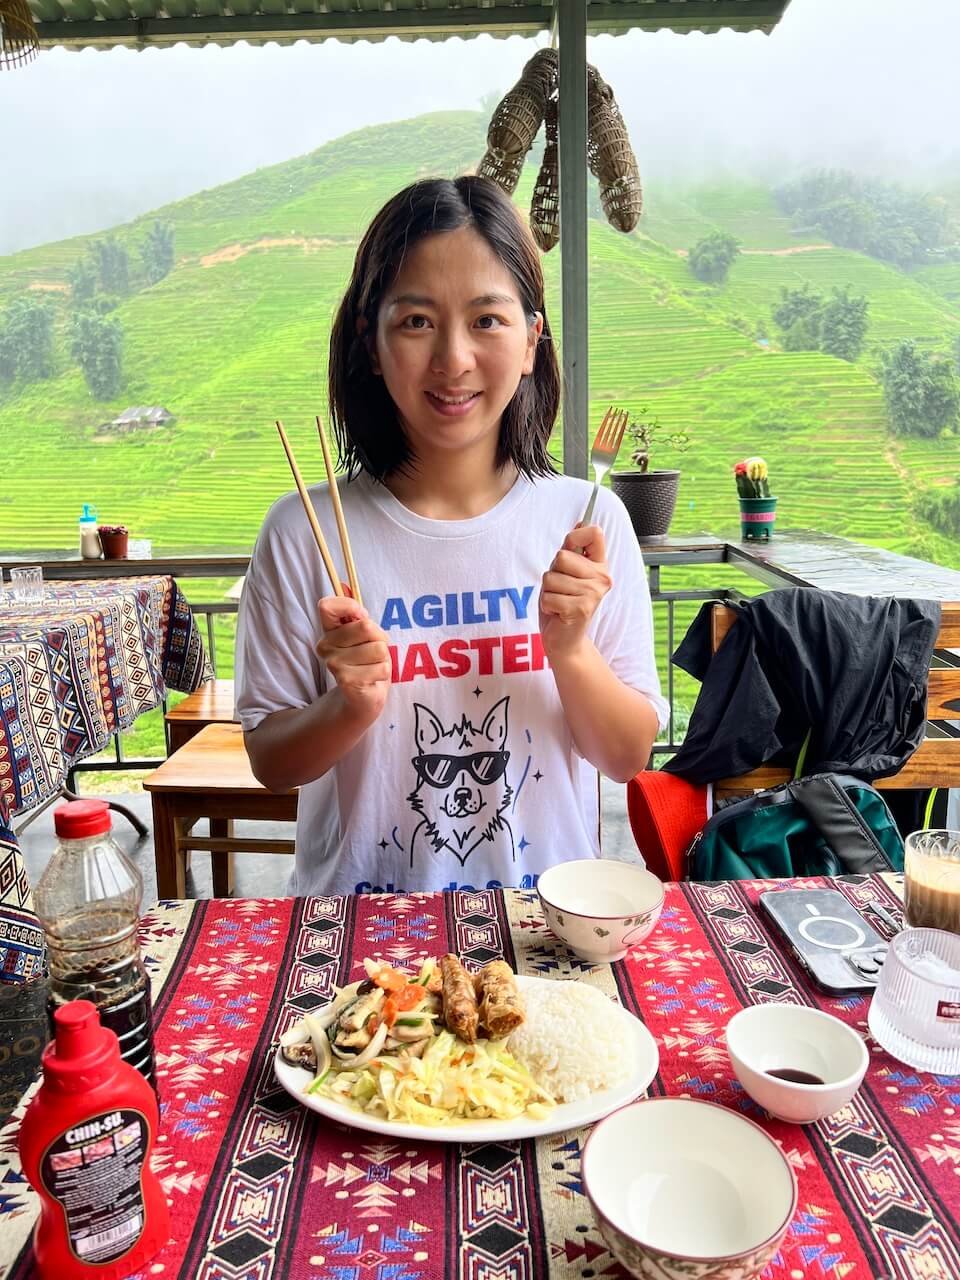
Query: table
point(74, 671)
point(262, 1188)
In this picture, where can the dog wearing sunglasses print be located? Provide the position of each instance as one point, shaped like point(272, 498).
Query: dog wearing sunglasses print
point(462, 790)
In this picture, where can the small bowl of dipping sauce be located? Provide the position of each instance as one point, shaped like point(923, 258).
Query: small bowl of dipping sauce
point(798, 1063)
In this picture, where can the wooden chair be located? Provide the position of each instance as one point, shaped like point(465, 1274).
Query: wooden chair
point(935, 763)
point(212, 703)
point(210, 777)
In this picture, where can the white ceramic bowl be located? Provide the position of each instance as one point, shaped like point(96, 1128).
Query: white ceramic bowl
point(774, 1037)
point(685, 1190)
point(600, 907)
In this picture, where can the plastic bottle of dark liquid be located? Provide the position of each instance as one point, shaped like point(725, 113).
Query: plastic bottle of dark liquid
point(88, 901)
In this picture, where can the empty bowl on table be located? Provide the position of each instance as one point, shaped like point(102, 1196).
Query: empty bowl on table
point(819, 1061)
point(600, 907)
point(685, 1190)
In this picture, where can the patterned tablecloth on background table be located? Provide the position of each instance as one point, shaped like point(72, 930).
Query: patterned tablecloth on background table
point(261, 1188)
point(74, 670)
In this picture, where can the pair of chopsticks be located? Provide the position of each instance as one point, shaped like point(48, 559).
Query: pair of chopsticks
point(321, 541)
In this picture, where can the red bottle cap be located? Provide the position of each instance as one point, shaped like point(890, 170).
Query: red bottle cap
point(82, 1050)
point(79, 818)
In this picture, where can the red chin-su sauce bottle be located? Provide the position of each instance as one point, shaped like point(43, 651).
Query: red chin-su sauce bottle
point(85, 1145)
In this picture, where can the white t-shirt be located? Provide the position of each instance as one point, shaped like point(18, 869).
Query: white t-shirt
point(470, 777)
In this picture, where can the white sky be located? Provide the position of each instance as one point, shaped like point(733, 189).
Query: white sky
point(90, 139)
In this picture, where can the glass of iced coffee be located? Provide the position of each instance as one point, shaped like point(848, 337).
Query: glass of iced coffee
point(931, 872)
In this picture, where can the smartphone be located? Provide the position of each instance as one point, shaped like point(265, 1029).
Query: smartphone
point(828, 936)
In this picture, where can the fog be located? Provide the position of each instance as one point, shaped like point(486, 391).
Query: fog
point(94, 138)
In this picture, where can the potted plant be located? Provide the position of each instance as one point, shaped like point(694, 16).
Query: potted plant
point(113, 539)
point(758, 507)
point(649, 496)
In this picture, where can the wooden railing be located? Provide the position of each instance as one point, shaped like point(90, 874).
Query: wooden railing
point(802, 558)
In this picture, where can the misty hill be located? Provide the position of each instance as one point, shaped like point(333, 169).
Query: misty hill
point(235, 336)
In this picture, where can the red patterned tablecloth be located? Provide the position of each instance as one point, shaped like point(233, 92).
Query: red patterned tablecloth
point(74, 670)
point(261, 1188)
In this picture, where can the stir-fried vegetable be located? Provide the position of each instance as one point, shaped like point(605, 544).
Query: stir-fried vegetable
point(391, 1056)
point(452, 1081)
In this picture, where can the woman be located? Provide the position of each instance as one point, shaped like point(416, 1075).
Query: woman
point(448, 734)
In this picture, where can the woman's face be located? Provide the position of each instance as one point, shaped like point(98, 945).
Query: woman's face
point(452, 342)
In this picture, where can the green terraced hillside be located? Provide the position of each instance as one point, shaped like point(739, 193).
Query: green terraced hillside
point(236, 336)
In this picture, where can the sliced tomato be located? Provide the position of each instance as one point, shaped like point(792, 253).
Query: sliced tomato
point(409, 997)
point(390, 1010)
point(389, 979)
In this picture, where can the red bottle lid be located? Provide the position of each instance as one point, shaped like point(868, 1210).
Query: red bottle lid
point(80, 818)
point(82, 1051)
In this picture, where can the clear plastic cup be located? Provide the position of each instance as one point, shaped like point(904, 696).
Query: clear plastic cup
point(139, 549)
point(931, 880)
point(27, 585)
point(915, 1011)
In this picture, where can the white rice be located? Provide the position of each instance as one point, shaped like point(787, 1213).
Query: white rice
point(572, 1041)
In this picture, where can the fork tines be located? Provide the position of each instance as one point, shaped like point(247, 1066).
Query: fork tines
point(610, 433)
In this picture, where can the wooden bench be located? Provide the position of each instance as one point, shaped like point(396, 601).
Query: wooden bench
point(210, 777)
point(212, 703)
point(935, 763)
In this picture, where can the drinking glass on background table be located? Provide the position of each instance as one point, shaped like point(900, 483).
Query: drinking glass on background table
point(26, 585)
point(931, 877)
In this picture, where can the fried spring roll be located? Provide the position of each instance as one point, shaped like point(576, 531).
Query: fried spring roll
point(501, 1005)
point(459, 1000)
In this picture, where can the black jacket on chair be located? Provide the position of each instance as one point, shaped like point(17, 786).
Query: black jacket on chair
point(851, 669)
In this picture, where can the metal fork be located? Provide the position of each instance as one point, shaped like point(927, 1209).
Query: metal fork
point(603, 455)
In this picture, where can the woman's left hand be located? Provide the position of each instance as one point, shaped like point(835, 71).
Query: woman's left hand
point(571, 590)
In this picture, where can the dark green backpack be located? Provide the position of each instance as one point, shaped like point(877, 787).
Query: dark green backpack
point(828, 824)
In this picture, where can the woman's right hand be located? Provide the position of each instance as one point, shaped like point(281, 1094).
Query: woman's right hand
point(356, 653)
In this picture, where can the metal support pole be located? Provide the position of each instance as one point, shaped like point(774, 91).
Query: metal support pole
point(572, 32)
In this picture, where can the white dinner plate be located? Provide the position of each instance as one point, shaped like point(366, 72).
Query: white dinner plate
point(566, 1115)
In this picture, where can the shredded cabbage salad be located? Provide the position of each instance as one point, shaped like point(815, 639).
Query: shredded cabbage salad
point(451, 1081)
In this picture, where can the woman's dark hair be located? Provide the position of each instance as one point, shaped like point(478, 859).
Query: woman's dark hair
point(368, 429)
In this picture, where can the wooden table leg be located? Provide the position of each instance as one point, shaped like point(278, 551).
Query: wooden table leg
point(222, 829)
point(171, 864)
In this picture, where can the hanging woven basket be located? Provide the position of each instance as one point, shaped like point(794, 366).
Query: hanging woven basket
point(19, 43)
point(545, 205)
point(611, 157)
point(504, 170)
point(517, 119)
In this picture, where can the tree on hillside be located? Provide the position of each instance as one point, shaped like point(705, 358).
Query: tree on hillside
point(83, 281)
point(97, 347)
point(843, 324)
point(26, 340)
point(920, 390)
point(941, 507)
point(810, 322)
point(797, 316)
point(882, 219)
point(113, 265)
point(157, 251)
point(711, 258)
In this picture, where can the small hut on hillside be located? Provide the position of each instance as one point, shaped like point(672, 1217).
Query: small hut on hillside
point(142, 417)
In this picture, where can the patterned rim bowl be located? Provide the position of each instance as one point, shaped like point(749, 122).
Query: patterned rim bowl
point(600, 907)
point(688, 1190)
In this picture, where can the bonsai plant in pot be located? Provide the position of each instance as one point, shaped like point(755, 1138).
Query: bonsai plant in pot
point(758, 507)
point(650, 496)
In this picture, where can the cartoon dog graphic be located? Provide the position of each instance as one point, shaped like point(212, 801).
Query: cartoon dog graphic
point(462, 789)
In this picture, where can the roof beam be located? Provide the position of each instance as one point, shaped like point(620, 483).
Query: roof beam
point(521, 19)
